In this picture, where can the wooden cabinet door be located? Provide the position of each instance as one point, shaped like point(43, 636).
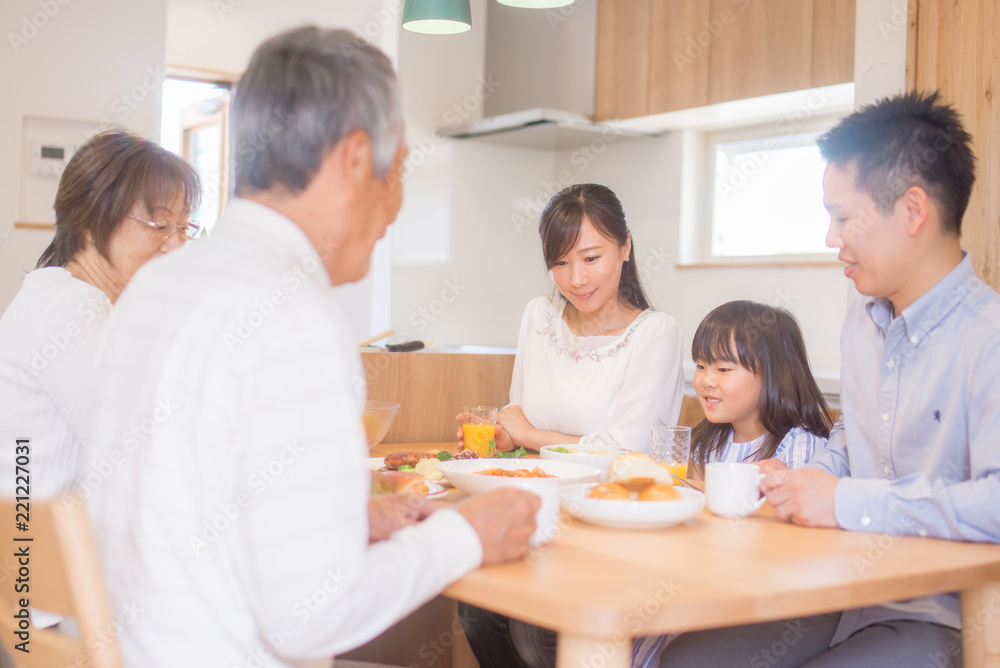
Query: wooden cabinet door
point(622, 89)
point(833, 42)
point(766, 49)
point(681, 35)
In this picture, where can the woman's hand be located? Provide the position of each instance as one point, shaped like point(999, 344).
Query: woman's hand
point(515, 426)
point(501, 438)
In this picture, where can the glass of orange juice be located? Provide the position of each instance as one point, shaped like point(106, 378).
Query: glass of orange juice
point(672, 446)
point(479, 429)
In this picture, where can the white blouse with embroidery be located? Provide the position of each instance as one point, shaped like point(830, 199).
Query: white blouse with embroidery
point(610, 390)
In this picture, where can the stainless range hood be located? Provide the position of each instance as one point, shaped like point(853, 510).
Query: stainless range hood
point(543, 66)
point(542, 128)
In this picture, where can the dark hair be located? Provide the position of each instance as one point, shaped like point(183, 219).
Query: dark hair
point(304, 91)
point(103, 181)
point(768, 342)
point(560, 228)
point(904, 141)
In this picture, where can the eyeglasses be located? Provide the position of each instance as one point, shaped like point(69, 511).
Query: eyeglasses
point(190, 229)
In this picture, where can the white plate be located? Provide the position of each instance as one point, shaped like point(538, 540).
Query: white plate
point(462, 473)
point(434, 490)
point(375, 463)
point(631, 514)
point(600, 456)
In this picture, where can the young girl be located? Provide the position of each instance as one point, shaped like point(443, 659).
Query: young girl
point(754, 383)
point(753, 380)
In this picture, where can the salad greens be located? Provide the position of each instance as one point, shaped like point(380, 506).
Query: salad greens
point(520, 452)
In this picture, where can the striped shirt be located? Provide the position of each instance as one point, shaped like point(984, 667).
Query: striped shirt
point(794, 450)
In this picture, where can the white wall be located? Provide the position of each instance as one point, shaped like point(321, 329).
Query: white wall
point(83, 61)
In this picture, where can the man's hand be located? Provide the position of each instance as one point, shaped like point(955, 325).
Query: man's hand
point(803, 496)
point(504, 519)
point(391, 512)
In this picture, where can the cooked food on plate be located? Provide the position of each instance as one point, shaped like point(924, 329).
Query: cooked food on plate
point(536, 472)
point(659, 491)
point(396, 482)
point(609, 490)
point(424, 463)
point(394, 460)
point(640, 477)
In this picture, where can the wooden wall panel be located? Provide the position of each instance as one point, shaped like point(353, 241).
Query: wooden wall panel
point(957, 53)
point(767, 49)
point(680, 45)
point(622, 89)
point(431, 389)
point(833, 42)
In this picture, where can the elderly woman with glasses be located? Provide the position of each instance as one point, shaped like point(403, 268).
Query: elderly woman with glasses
point(122, 200)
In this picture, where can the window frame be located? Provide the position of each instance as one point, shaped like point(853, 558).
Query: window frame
point(699, 184)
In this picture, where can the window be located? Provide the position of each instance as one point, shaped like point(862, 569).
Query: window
point(767, 196)
point(195, 125)
point(752, 178)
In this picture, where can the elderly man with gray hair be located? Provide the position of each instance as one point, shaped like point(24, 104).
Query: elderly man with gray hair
point(234, 516)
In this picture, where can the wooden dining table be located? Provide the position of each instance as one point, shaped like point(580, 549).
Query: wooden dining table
point(599, 587)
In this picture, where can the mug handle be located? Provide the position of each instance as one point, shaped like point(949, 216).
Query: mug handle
point(759, 502)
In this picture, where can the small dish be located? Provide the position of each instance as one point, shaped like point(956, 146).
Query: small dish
point(600, 456)
point(631, 514)
point(464, 473)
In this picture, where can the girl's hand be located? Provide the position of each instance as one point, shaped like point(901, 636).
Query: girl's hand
point(501, 438)
point(515, 424)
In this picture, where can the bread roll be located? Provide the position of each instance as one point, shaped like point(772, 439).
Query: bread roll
point(635, 471)
point(609, 490)
point(659, 492)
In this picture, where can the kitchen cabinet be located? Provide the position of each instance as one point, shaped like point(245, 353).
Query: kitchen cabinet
point(655, 56)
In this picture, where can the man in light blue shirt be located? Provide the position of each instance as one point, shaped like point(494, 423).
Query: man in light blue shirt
point(917, 450)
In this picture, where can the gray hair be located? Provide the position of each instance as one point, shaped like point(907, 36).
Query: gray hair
point(304, 91)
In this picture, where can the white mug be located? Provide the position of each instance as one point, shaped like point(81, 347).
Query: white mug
point(547, 517)
point(733, 489)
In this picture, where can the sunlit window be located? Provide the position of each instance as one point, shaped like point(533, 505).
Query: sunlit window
point(768, 197)
point(195, 123)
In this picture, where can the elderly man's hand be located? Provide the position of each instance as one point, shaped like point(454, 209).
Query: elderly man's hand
point(803, 496)
point(391, 512)
point(504, 519)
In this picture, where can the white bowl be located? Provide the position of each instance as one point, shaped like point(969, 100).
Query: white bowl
point(630, 514)
point(600, 456)
point(463, 474)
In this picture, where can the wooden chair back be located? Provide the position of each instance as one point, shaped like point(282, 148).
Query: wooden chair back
point(431, 389)
point(56, 558)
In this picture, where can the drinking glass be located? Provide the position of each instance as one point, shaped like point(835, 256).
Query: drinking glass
point(671, 446)
point(479, 429)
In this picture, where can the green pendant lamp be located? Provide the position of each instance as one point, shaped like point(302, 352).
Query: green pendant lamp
point(536, 4)
point(437, 17)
